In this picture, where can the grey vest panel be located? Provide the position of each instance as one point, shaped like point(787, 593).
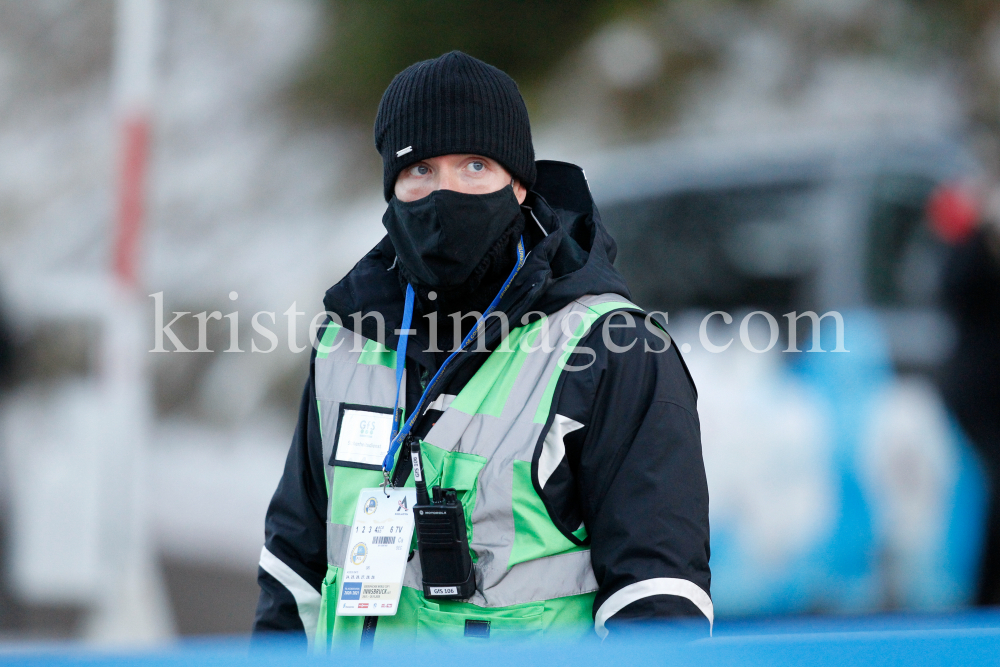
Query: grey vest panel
point(341, 379)
point(338, 538)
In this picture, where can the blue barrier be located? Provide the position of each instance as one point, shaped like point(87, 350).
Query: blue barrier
point(961, 639)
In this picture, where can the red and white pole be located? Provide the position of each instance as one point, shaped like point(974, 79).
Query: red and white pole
point(135, 60)
point(134, 137)
point(132, 606)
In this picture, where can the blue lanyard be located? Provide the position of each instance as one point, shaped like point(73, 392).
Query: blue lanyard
point(404, 335)
point(399, 433)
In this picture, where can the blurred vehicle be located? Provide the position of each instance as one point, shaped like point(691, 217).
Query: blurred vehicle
point(839, 482)
point(831, 220)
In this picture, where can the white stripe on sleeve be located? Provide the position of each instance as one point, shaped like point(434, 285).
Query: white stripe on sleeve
point(554, 449)
point(644, 589)
point(307, 599)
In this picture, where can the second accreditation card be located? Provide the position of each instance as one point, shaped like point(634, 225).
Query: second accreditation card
point(377, 552)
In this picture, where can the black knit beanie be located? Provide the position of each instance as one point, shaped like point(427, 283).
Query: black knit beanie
point(453, 104)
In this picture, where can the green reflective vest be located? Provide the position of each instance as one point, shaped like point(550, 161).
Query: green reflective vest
point(531, 579)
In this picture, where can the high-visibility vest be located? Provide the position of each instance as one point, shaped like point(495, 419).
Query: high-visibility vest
point(530, 578)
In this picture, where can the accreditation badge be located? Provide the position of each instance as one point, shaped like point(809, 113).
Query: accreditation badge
point(377, 552)
point(363, 436)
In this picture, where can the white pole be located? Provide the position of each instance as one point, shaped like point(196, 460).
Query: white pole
point(132, 606)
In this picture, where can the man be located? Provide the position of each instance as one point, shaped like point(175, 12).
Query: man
point(566, 424)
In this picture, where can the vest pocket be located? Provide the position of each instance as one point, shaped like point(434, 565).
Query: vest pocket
point(504, 625)
point(455, 470)
point(327, 610)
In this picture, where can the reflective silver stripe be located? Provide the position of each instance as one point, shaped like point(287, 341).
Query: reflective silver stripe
point(449, 429)
point(442, 402)
point(643, 589)
point(307, 598)
point(553, 449)
point(345, 346)
point(338, 538)
point(368, 384)
point(541, 579)
point(559, 576)
point(493, 516)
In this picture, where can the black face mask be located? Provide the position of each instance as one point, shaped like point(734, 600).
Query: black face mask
point(442, 238)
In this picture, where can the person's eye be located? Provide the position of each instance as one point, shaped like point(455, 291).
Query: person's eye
point(419, 170)
point(476, 166)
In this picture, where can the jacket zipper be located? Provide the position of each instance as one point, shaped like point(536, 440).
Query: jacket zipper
point(368, 633)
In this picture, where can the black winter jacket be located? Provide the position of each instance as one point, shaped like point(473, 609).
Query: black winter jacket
point(633, 474)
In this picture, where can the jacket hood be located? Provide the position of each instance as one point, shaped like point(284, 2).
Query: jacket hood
point(572, 255)
point(579, 251)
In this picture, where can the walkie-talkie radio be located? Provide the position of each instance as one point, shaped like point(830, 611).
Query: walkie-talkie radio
point(443, 540)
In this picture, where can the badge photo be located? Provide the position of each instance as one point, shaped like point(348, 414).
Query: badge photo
point(359, 553)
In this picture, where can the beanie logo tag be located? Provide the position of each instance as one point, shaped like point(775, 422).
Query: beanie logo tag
point(403, 151)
